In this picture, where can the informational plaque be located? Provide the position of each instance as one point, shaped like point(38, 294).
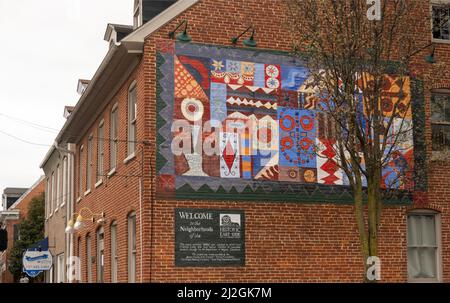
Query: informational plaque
point(209, 237)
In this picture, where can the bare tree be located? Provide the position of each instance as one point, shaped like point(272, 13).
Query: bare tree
point(360, 81)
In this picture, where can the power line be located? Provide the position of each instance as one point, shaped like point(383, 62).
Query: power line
point(23, 140)
point(32, 124)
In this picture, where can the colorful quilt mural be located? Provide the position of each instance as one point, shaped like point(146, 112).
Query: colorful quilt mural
point(243, 124)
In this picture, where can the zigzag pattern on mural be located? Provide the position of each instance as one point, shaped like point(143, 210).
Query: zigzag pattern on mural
point(248, 102)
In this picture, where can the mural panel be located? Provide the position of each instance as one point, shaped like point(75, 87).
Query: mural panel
point(241, 124)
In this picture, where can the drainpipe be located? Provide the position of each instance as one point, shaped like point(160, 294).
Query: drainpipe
point(70, 205)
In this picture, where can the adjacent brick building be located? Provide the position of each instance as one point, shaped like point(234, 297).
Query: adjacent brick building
point(9, 220)
point(121, 132)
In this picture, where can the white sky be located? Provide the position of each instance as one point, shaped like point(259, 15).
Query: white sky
point(46, 46)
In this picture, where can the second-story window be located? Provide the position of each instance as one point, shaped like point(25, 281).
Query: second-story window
point(441, 20)
point(53, 202)
point(48, 200)
point(80, 171)
point(89, 163)
point(58, 186)
point(113, 138)
point(440, 121)
point(100, 151)
point(132, 101)
point(65, 182)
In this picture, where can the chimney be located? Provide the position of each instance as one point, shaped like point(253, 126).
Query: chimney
point(145, 10)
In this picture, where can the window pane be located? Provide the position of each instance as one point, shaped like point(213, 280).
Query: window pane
point(440, 137)
point(441, 24)
point(113, 253)
point(100, 158)
point(422, 263)
point(89, 164)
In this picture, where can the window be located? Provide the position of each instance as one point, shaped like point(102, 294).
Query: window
point(65, 181)
point(58, 186)
point(440, 121)
point(100, 151)
point(48, 198)
point(88, 259)
point(89, 163)
point(16, 233)
point(423, 246)
point(132, 119)
point(61, 266)
point(52, 202)
point(441, 22)
point(132, 248)
point(79, 257)
point(113, 138)
point(114, 257)
point(50, 275)
point(80, 172)
point(100, 255)
point(137, 18)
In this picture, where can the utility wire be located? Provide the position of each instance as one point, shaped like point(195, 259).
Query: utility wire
point(23, 140)
point(31, 124)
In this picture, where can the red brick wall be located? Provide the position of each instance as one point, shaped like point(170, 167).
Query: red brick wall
point(284, 241)
point(23, 208)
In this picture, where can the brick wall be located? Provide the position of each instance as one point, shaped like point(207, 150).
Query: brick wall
point(284, 241)
point(38, 189)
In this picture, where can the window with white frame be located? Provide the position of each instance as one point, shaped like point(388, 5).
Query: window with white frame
point(137, 16)
point(132, 248)
point(89, 163)
point(53, 201)
point(100, 255)
point(132, 111)
point(113, 144)
point(440, 120)
point(424, 261)
point(58, 185)
point(80, 171)
point(48, 199)
point(441, 19)
point(79, 257)
point(65, 181)
point(114, 256)
point(100, 151)
point(89, 258)
point(61, 269)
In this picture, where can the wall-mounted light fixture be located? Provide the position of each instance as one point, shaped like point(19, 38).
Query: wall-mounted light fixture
point(430, 58)
point(183, 36)
point(250, 42)
point(78, 224)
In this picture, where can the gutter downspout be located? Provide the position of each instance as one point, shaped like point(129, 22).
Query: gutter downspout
point(70, 159)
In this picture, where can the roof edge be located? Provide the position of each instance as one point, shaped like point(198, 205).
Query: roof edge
point(41, 178)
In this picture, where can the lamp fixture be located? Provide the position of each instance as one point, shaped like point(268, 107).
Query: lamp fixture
point(430, 58)
point(80, 219)
point(250, 42)
point(183, 36)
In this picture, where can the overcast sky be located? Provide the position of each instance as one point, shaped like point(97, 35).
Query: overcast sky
point(46, 46)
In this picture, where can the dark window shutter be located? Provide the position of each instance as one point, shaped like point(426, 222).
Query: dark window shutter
point(3, 239)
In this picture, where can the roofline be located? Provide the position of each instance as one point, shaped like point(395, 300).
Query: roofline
point(111, 52)
point(139, 35)
point(133, 43)
point(47, 156)
point(41, 178)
